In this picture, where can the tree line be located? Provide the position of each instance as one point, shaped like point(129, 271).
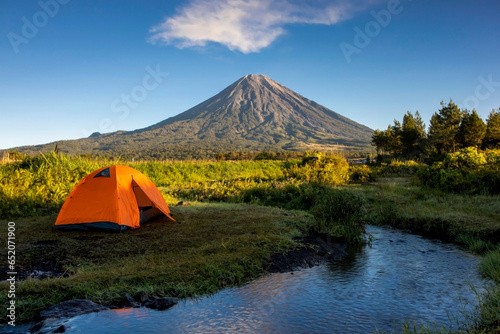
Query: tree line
point(450, 129)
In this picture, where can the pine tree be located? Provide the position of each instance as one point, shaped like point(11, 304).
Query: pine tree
point(412, 134)
point(388, 141)
point(472, 130)
point(444, 127)
point(492, 136)
point(395, 144)
point(378, 140)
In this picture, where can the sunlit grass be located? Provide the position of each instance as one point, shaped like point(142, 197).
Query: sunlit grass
point(458, 217)
point(214, 246)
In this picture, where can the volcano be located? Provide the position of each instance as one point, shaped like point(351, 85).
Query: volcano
point(255, 113)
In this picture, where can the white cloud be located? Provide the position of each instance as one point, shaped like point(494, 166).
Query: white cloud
point(247, 25)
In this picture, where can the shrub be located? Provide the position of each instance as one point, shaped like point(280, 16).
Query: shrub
point(361, 174)
point(265, 156)
point(465, 158)
point(397, 168)
point(493, 158)
point(292, 196)
point(466, 171)
point(339, 213)
point(321, 168)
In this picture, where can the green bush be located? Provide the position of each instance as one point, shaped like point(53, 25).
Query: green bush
point(466, 171)
point(396, 168)
point(465, 158)
point(361, 174)
point(339, 213)
point(291, 196)
point(321, 168)
point(493, 158)
point(265, 156)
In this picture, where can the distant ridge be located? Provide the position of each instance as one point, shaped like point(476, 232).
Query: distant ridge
point(255, 113)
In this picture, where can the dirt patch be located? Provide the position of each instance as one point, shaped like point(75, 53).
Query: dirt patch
point(39, 259)
point(38, 270)
point(313, 250)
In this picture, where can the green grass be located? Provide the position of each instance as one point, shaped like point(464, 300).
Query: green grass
point(454, 217)
point(214, 246)
point(231, 229)
point(39, 185)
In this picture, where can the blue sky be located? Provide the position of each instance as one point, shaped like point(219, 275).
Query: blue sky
point(72, 67)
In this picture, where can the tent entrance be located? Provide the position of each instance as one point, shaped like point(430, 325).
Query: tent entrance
point(147, 209)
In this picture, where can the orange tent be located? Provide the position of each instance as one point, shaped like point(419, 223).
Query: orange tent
point(112, 198)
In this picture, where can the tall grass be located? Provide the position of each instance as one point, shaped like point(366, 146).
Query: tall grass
point(39, 185)
point(340, 213)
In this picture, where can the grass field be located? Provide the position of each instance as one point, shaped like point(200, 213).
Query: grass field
point(454, 217)
point(211, 247)
point(240, 213)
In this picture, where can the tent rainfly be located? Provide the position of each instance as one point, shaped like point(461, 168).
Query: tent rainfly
point(112, 198)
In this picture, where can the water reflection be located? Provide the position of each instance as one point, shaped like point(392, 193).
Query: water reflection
point(399, 276)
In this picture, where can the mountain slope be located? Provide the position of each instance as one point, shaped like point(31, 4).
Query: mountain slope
point(254, 113)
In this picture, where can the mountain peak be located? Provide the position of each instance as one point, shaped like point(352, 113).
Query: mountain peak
point(256, 77)
point(257, 110)
point(252, 114)
point(253, 85)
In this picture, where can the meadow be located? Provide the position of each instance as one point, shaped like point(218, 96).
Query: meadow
point(239, 213)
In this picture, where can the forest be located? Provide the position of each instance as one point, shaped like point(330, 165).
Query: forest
point(450, 129)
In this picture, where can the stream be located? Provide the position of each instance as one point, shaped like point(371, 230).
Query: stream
point(399, 276)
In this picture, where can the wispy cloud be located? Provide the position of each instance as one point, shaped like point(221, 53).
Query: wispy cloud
point(248, 25)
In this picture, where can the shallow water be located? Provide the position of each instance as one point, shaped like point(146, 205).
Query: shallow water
point(399, 276)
